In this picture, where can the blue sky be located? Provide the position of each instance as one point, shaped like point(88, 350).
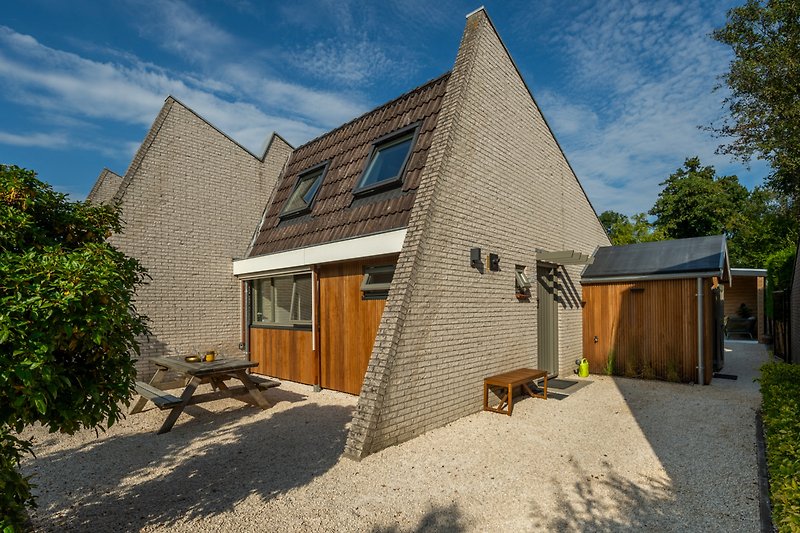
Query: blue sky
point(624, 84)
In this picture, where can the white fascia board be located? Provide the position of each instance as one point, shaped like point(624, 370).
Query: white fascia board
point(754, 272)
point(372, 245)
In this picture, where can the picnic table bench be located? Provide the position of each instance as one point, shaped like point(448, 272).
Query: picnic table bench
point(162, 399)
point(215, 372)
point(507, 381)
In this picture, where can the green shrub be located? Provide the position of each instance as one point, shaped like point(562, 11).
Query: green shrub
point(780, 388)
point(672, 372)
point(67, 322)
point(608, 368)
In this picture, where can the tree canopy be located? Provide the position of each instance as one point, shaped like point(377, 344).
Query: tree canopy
point(624, 230)
point(67, 321)
point(764, 80)
point(695, 202)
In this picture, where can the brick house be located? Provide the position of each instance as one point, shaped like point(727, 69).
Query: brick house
point(190, 200)
point(365, 275)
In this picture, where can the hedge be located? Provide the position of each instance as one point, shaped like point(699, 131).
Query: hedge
point(780, 389)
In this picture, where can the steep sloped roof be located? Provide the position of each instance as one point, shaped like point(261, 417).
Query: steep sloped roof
point(336, 213)
point(695, 257)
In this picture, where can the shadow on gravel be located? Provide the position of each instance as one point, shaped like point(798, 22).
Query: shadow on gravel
point(606, 502)
point(446, 518)
point(262, 458)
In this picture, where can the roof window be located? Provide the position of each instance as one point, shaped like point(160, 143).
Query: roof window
point(305, 190)
point(387, 160)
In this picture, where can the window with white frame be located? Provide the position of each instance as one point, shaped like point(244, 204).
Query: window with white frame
point(282, 300)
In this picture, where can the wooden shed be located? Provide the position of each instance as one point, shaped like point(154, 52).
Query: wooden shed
point(655, 310)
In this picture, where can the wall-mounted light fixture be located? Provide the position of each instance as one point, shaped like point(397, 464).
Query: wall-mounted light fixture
point(494, 262)
point(475, 258)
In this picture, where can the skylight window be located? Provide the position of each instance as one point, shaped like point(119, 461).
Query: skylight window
point(387, 161)
point(305, 190)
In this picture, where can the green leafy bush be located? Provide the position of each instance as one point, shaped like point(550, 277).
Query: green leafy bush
point(780, 388)
point(67, 322)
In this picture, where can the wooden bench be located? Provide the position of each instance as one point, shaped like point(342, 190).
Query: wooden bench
point(508, 381)
point(163, 400)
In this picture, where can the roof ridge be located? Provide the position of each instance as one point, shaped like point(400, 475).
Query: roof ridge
point(418, 88)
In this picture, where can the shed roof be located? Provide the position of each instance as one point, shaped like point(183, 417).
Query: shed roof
point(679, 258)
point(336, 213)
point(749, 272)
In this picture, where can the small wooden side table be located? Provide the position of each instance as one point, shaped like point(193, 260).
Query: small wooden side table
point(509, 380)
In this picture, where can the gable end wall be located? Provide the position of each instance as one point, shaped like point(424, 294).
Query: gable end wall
point(105, 187)
point(503, 185)
point(190, 200)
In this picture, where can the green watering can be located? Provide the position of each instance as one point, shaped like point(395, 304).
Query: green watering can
point(583, 368)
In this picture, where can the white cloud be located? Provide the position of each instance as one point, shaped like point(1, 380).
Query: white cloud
point(46, 140)
point(178, 28)
point(641, 83)
point(71, 88)
point(353, 63)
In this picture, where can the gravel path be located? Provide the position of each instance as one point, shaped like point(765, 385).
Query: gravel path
point(617, 455)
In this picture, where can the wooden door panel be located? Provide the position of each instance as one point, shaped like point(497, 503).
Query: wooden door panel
point(348, 325)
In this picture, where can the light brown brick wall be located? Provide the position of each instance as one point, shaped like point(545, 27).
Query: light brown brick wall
point(495, 179)
point(190, 201)
point(105, 187)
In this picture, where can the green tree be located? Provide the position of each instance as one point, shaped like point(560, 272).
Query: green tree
point(764, 80)
point(695, 202)
point(780, 266)
point(765, 225)
point(623, 230)
point(67, 322)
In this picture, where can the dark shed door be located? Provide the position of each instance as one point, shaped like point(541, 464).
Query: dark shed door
point(548, 319)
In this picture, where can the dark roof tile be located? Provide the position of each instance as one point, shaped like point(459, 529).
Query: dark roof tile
point(334, 215)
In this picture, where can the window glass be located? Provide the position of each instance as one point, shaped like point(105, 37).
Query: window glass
point(303, 194)
point(262, 300)
point(282, 300)
point(283, 286)
point(376, 282)
point(380, 277)
point(387, 162)
point(301, 299)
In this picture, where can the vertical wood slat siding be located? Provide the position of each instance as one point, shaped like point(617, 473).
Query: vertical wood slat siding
point(284, 354)
point(654, 326)
point(348, 324)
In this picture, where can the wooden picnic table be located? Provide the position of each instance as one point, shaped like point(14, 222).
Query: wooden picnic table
point(215, 372)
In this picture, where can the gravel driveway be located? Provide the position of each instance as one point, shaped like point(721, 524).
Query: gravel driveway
point(616, 455)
